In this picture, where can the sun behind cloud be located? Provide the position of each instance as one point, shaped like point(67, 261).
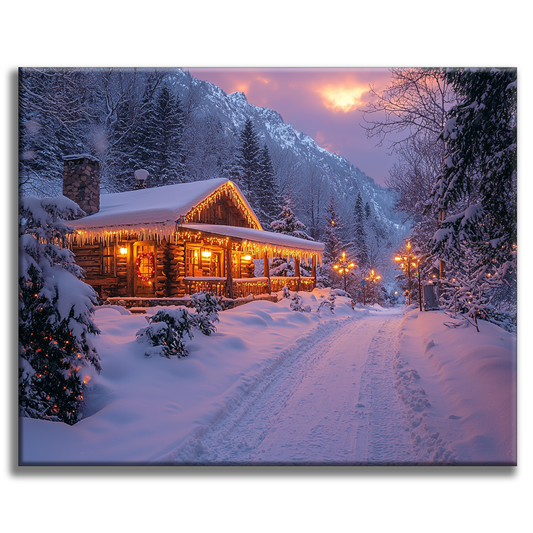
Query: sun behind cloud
point(342, 97)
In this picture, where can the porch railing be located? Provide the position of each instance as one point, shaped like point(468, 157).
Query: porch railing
point(242, 287)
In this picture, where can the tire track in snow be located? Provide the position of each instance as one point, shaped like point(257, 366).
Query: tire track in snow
point(383, 437)
point(331, 402)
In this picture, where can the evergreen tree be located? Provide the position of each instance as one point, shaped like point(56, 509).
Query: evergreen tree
point(368, 212)
point(478, 186)
point(287, 222)
point(56, 354)
point(332, 246)
point(332, 234)
point(360, 236)
point(267, 195)
point(481, 158)
point(167, 142)
point(249, 163)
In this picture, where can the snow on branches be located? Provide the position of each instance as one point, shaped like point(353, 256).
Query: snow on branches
point(168, 327)
point(56, 353)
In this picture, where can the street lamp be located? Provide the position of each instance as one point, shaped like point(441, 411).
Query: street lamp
point(408, 260)
point(371, 278)
point(343, 267)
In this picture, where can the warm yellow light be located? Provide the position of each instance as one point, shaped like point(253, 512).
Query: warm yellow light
point(247, 257)
point(351, 265)
point(206, 254)
point(408, 245)
point(335, 267)
point(397, 258)
point(342, 97)
point(123, 251)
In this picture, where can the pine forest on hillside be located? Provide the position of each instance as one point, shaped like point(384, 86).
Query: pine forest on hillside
point(452, 190)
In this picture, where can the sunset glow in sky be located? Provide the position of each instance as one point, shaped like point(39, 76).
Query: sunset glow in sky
point(324, 103)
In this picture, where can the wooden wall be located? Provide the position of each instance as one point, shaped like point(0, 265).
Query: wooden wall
point(170, 269)
point(224, 212)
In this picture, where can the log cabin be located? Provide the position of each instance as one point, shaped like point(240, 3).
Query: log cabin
point(175, 240)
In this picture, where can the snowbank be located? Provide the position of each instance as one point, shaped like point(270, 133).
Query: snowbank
point(140, 409)
point(460, 389)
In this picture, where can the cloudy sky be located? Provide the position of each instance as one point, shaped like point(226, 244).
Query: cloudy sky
point(324, 103)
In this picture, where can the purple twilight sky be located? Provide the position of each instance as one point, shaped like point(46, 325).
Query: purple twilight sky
point(324, 103)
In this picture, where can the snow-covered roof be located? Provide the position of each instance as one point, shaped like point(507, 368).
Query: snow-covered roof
point(153, 213)
point(155, 209)
point(260, 237)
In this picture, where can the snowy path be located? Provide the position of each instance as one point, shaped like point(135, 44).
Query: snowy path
point(331, 403)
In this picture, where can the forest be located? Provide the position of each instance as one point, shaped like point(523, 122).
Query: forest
point(452, 191)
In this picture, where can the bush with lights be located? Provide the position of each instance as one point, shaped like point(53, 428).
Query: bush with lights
point(56, 354)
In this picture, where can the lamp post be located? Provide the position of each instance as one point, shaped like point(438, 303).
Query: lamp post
point(408, 260)
point(343, 267)
point(371, 278)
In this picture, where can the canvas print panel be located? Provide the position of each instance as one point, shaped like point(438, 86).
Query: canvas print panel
point(267, 266)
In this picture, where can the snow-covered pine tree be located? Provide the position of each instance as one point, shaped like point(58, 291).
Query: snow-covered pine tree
point(332, 245)
point(481, 150)
point(249, 163)
point(56, 353)
point(168, 130)
point(332, 234)
point(267, 194)
point(478, 186)
point(360, 237)
point(287, 222)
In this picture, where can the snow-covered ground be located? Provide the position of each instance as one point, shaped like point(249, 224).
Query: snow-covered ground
point(275, 386)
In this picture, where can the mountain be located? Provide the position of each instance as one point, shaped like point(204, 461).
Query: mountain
point(301, 165)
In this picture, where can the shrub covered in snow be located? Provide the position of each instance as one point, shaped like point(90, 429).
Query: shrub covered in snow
point(168, 327)
point(297, 303)
point(207, 306)
point(329, 303)
point(56, 353)
point(166, 332)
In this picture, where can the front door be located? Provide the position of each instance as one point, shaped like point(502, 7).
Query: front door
point(144, 267)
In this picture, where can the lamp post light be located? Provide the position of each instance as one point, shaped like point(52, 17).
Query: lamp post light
point(343, 267)
point(371, 278)
point(408, 260)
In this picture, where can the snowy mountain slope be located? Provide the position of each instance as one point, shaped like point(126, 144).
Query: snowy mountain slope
point(343, 179)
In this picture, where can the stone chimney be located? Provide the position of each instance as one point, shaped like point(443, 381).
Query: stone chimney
point(81, 181)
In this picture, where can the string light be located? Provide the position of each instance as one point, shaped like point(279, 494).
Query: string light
point(226, 190)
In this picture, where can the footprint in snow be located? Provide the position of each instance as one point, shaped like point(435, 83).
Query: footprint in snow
point(454, 417)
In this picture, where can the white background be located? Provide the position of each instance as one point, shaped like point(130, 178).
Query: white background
point(276, 33)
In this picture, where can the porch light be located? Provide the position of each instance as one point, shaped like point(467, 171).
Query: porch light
point(247, 257)
point(123, 250)
point(206, 254)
